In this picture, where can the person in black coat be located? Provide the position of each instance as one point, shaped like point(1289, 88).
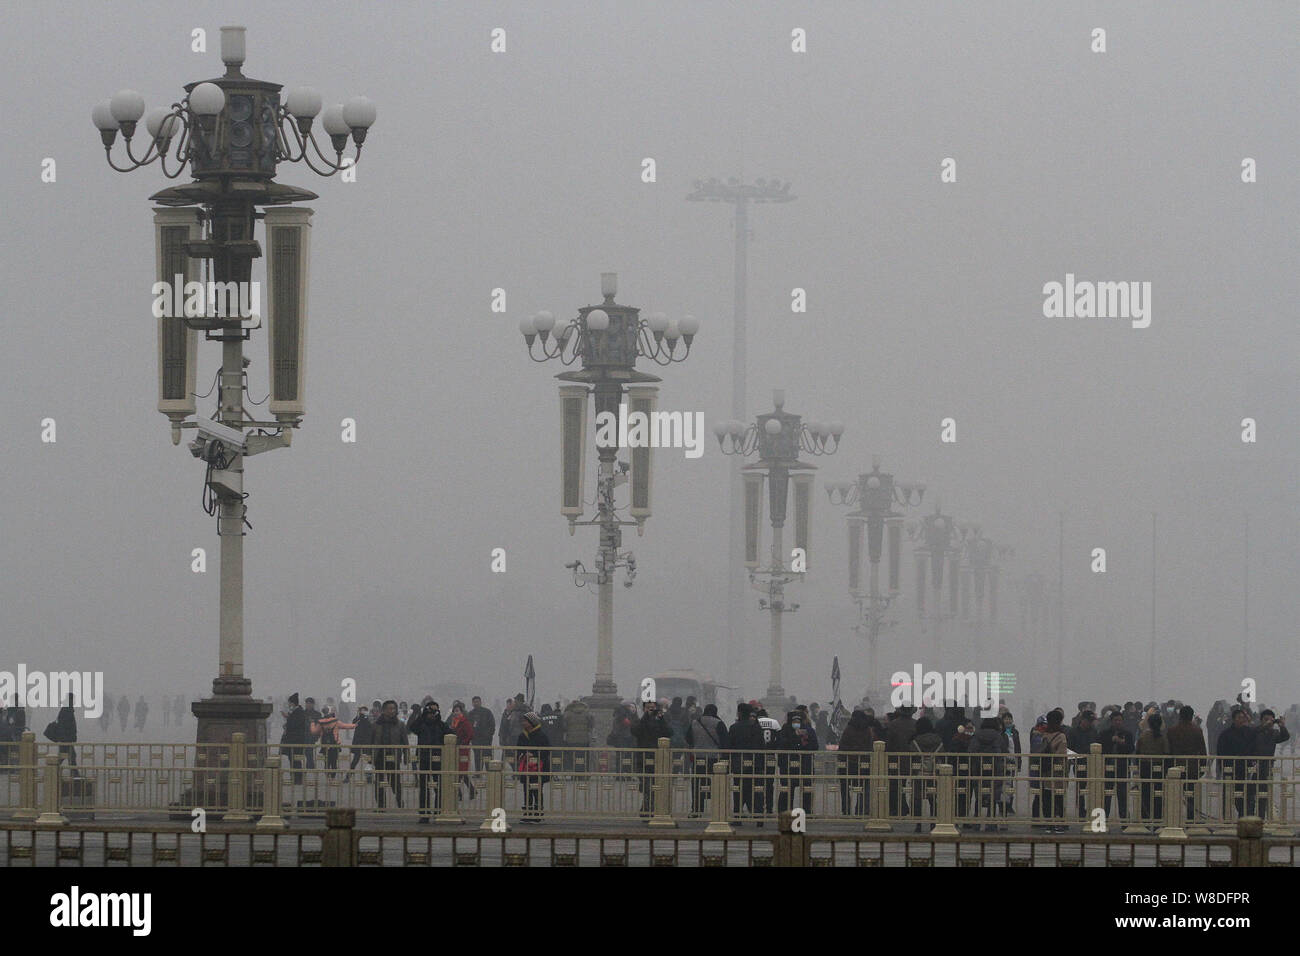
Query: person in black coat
point(796, 768)
point(1236, 742)
point(361, 735)
point(853, 763)
point(533, 749)
point(745, 742)
point(646, 733)
point(295, 736)
point(429, 728)
point(1268, 734)
point(67, 727)
point(1116, 743)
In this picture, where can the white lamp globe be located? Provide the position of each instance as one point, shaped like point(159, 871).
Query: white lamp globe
point(688, 325)
point(544, 321)
point(526, 327)
point(207, 99)
point(303, 102)
point(657, 321)
point(598, 320)
point(127, 106)
point(772, 426)
point(333, 120)
point(102, 117)
point(359, 113)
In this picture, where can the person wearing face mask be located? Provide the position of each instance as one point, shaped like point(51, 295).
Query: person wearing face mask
point(796, 768)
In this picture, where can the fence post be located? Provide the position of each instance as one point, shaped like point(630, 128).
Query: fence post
point(50, 815)
point(339, 845)
point(878, 817)
point(1095, 792)
point(1199, 787)
point(26, 777)
point(720, 798)
point(1278, 824)
point(236, 786)
point(449, 784)
point(271, 797)
point(946, 792)
point(791, 849)
point(496, 798)
point(1175, 808)
point(1250, 843)
point(663, 785)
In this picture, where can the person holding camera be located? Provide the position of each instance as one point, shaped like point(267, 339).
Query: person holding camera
point(429, 728)
point(1270, 732)
point(534, 755)
point(646, 733)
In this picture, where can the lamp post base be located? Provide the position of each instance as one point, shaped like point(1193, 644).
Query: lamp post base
point(224, 714)
point(601, 703)
point(220, 717)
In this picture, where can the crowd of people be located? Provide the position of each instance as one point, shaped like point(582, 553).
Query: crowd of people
point(771, 760)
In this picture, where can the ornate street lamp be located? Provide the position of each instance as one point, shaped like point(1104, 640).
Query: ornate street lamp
point(231, 132)
point(875, 493)
point(739, 195)
point(608, 339)
point(778, 437)
point(932, 544)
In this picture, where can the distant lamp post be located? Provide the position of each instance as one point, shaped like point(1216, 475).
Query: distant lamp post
point(875, 493)
point(739, 195)
point(778, 437)
point(231, 132)
point(607, 339)
point(932, 544)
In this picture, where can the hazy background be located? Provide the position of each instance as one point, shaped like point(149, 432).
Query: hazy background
point(522, 170)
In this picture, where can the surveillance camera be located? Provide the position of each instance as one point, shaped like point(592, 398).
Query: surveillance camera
point(231, 438)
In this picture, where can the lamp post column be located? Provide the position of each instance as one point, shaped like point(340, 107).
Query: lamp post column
point(776, 607)
point(608, 397)
point(230, 529)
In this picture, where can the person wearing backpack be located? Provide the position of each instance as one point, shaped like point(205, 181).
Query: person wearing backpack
point(925, 745)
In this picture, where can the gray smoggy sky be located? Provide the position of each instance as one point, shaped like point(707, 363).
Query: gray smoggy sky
point(522, 171)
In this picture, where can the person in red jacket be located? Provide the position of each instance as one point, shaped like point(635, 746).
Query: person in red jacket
point(463, 728)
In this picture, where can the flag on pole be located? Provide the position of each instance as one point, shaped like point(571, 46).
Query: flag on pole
point(530, 682)
point(835, 680)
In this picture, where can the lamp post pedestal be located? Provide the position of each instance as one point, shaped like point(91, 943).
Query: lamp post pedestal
point(226, 713)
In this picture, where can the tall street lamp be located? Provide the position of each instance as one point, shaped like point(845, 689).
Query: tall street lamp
point(778, 437)
point(739, 194)
point(608, 339)
point(932, 538)
point(231, 132)
point(875, 493)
